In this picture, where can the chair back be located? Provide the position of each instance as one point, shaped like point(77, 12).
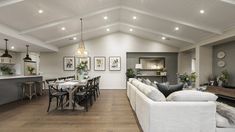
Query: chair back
point(89, 85)
point(97, 81)
point(62, 78)
point(71, 77)
point(49, 81)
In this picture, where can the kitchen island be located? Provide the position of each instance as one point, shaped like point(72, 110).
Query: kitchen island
point(11, 87)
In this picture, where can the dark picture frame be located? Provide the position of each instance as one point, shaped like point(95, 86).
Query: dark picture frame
point(115, 63)
point(99, 63)
point(69, 63)
point(79, 59)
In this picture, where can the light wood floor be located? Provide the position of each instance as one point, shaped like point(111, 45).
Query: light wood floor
point(110, 113)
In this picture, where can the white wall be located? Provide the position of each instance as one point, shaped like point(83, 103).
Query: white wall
point(116, 44)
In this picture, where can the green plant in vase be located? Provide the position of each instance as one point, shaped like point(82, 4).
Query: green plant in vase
point(31, 70)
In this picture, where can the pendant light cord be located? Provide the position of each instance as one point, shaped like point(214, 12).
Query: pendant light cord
point(81, 28)
point(6, 43)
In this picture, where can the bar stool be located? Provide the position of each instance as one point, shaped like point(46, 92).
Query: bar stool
point(40, 87)
point(29, 90)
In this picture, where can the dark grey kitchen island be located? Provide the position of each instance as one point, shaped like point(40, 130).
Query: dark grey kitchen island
point(11, 87)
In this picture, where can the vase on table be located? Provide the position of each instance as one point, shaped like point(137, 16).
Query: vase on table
point(80, 75)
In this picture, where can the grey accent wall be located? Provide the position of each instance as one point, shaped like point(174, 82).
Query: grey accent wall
point(229, 49)
point(171, 63)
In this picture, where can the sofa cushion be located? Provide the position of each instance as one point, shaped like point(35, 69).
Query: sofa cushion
point(153, 93)
point(191, 95)
point(167, 89)
point(147, 81)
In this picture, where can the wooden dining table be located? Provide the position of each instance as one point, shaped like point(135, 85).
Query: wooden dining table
point(71, 87)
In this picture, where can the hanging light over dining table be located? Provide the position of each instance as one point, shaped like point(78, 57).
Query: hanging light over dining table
point(82, 52)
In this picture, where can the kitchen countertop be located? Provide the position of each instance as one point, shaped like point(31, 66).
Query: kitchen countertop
point(17, 76)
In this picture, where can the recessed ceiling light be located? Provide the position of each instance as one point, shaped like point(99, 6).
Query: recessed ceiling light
point(130, 29)
point(105, 17)
point(163, 38)
point(74, 38)
point(63, 28)
point(40, 11)
point(134, 17)
point(177, 28)
point(202, 11)
point(107, 29)
point(12, 47)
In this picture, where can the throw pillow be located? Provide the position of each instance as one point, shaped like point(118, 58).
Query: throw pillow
point(191, 95)
point(168, 89)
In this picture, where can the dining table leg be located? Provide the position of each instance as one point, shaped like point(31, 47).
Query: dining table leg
point(71, 101)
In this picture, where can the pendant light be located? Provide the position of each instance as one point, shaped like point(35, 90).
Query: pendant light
point(27, 58)
point(6, 54)
point(81, 47)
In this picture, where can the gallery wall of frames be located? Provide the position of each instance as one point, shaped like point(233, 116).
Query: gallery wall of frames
point(71, 62)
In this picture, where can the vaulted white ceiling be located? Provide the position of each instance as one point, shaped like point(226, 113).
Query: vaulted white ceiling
point(155, 19)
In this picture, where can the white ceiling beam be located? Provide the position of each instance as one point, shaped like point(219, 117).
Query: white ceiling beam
point(9, 2)
point(77, 34)
point(69, 19)
point(159, 33)
point(229, 1)
point(199, 27)
point(14, 34)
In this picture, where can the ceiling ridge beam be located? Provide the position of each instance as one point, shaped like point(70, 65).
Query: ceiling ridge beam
point(77, 34)
point(159, 33)
point(198, 27)
point(69, 19)
point(9, 2)
point(13, 33)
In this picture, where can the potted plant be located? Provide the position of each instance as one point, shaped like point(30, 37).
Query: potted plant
point(81, 68)
point(6, 70)
point(187, 79)
point(223, 78)
point(31, 70)
point(130, 73)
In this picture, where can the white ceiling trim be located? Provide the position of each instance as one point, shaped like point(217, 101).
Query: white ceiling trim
point(9, 2)
point(69, 19)
point(199, 27)
point(76, 34)
point(12, 33)
point(159, 33)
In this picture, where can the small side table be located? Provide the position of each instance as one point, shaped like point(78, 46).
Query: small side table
point(29, 90)
point(39, 87)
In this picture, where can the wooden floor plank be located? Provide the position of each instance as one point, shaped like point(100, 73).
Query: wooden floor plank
point(110, 113)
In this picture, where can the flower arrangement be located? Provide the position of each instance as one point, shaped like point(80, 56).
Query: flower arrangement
point(187, 78)
point(82, 67)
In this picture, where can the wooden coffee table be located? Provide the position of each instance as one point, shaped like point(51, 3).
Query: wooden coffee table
point(222, 92)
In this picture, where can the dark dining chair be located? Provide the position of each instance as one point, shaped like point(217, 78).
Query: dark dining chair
point(62, 78)
point(84, 94)
point(55, 93)
point(97, 85)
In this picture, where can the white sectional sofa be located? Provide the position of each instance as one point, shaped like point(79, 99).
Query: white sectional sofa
point(166, 116)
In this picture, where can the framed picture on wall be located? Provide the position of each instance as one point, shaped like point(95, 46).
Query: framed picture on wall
point(69, 63)
point(114, 63)
point(99, 63)
point(84, 59)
